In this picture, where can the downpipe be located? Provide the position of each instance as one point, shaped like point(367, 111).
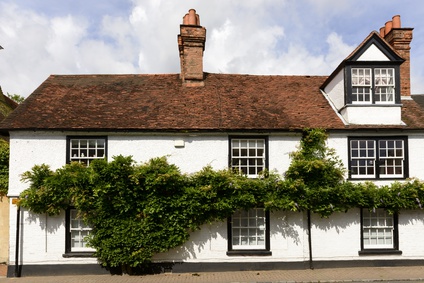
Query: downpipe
point(18, 224)
point(311, 262)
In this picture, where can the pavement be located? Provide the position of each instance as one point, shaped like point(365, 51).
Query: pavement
point(354, 274)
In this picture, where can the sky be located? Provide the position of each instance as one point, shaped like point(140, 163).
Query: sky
point(262, 37)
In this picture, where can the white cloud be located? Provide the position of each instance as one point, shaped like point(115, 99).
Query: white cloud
point(140, 36)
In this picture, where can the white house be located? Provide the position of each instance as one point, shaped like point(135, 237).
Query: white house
point(197, 119)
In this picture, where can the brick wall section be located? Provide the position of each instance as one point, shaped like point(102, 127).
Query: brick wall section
point(191, 43)
point(400, 39)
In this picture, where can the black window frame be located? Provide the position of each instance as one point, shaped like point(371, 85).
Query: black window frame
point(372, 66)
point(377, 157)
point(381, 251)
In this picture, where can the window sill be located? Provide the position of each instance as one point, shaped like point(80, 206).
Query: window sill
point(380, 252)
point(377, 179)
point(249, 253)
point(78, 254)
point(388, 104)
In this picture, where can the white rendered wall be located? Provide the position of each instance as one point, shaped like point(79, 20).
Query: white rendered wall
point(335, 238)
point(33, 148)
point(372, 115)
point(411, 230)
point(416, 155)
point(43, 238)
point(288, 239)
point(335, 90)
point(373, 54)
point(198, 151)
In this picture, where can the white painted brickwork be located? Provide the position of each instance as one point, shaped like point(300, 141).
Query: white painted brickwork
point(336, 238)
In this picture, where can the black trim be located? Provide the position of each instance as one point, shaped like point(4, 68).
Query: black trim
point(393, 251)
point(249, 253)
point(192, 267)
point(253, 252)
point(380, 252)
point(68, 145)
point(59, 270)
point(78, 254)
point(381, 45)
point(68, 231)
point(377, 161)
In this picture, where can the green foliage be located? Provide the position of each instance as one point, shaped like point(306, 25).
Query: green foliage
point(139, 210)
point(314, 164)
point(16, 97)
point(4, 167)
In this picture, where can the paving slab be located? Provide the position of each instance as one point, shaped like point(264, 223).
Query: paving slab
point(355, 274)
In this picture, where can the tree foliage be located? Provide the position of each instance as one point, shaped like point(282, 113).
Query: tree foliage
point(16, 97)
point(139, 210)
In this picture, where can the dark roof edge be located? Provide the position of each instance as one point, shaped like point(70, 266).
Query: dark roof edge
point(352, 128)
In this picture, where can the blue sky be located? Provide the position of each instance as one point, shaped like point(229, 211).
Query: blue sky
point(287, 37)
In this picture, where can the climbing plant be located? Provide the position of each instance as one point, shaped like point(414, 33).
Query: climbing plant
point(139, 210)
point(4, 167)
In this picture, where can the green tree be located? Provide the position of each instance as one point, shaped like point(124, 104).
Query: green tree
point(314, 178)
point(16, 97)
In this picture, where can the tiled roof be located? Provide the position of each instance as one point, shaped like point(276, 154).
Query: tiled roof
point(162, 103)
point(413, 112)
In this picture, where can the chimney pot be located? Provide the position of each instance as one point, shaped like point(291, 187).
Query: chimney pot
point(388, 27)
point(185, 19)
point(192, 18)
point(382, 34)
point(396, 21)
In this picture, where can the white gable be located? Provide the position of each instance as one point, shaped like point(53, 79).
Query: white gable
point(373, 53)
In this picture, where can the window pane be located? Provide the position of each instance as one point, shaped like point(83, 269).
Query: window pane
point(83, 143)
point(361, 85)
point(391, 158)
point(384, 85)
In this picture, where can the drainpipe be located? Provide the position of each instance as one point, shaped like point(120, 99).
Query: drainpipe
point(311, 263)
point(18, 224)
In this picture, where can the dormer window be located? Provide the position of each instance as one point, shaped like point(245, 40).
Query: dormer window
point(372, 85)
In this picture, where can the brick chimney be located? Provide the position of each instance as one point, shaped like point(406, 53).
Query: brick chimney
point(400, 38)
point(191, 44)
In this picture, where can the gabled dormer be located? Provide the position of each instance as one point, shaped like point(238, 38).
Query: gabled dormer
point(367, 87)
